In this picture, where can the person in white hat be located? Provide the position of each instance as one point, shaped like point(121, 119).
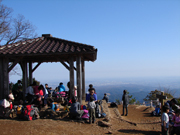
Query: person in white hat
point(5, 106)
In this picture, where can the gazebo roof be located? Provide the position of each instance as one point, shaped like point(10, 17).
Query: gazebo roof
point(48, 49)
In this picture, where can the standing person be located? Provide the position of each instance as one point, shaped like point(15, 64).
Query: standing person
point(125, 99)
point(92, 106)
point(165, 120)
point(91, 93)
point(106, 98)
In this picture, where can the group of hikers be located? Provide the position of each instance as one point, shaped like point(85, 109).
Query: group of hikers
point(38, 97)
point(170, 118)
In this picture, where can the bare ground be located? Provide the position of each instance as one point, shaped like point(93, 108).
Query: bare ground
point(139, 122)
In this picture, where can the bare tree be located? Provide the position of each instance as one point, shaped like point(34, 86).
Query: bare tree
point(14, 29)
point(5, 20)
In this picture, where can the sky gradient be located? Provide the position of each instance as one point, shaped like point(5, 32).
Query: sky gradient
point(134, 38)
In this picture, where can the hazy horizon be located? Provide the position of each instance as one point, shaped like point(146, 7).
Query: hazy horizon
point(133, 38)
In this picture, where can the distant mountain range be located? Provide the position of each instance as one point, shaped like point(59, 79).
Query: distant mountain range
point(138, 91)
point(138, 87)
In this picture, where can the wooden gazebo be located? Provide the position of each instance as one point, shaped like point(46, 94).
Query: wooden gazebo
point(45, 49)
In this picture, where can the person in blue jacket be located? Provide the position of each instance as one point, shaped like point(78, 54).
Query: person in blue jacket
point(91, 93)
point(61, 87)
point(51, 111)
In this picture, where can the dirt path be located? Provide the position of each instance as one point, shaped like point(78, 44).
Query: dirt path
point(146, 125)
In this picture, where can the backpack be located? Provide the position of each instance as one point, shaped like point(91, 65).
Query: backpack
point(28, 112)
point(113, 104)
point(85, 115)
point(97, 111)
point(103, 115)
point(19, 109)
point(153, 113)
point(56, 106)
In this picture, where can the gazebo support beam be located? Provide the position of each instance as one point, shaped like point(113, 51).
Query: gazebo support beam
point(65, 65)
point(25, 77)
point(36, 67)
point(13, 65)
point(71, 70)
point(79, 80)
point(4, 77)
point(83, 80)
point(30, 73)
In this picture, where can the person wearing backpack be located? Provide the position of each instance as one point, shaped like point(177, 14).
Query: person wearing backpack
point(20, 110)
point(91, 106)
point(51, 111)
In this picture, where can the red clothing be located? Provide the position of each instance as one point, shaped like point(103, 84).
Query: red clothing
point(36, 91)
point(11, 106)
point(41, 92)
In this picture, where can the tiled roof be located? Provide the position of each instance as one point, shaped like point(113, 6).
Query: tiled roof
point(48, 47)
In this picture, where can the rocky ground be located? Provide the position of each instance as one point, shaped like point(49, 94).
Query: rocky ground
point(139, 122)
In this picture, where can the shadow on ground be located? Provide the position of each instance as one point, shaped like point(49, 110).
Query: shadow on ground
point(139, 131)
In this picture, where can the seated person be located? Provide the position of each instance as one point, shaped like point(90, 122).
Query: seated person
point(5, 106)
point(61, 87)
point(92, 90)
point(29, 94)
point(75, 109)
point(51, 111)
point(158, 110)
point(47, 88)
point(18, 94)
point(38, 102)
point(106, 98)
point(35, 87)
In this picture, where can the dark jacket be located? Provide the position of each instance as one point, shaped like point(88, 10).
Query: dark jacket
point(75, 107)
point(125, 99)
point(106, 98)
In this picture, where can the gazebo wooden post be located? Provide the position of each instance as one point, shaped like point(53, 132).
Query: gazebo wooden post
point(25, 77)
point(79, 71)
point(30, 73)
point(83, 80)
point(71, 70)
point(4, 77)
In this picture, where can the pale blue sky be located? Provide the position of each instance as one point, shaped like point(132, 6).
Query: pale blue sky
point(134, 38)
